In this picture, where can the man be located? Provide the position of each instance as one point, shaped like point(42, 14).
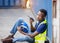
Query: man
point(38, 29)
point(23, 28)
point(40, 18)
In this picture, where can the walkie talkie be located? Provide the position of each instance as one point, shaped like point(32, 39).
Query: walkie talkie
point(31, 18)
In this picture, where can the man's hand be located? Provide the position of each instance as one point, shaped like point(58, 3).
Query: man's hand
point(19, 29)
point(30, 35)
point(33, 34)
point(31, 25)
point(31, 20)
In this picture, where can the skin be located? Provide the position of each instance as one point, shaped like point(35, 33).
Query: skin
point(18, 28)
point(40, 17)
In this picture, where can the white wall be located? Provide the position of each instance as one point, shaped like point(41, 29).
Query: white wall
point(58, 14)
point(56, 24)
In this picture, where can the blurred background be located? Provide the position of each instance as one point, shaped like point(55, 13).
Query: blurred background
point(11, 10)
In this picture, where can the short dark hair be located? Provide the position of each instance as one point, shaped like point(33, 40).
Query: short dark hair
point(43, 11)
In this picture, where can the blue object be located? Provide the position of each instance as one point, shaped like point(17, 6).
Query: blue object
point(20, 22)
point(44, 4)
point(41, 28)
point(24, 27)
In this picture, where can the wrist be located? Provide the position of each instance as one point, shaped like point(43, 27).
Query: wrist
point(25, 33)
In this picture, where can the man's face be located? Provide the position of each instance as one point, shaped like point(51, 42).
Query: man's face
point(40, 16)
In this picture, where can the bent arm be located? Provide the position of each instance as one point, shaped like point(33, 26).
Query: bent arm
point(39, 30)
point(32, 27)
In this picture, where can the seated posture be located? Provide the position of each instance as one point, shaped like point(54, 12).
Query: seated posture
point(37, 31)
point(40, 29)
point(23, 28)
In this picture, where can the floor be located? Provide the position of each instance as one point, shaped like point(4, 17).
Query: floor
point(8, 18)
